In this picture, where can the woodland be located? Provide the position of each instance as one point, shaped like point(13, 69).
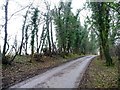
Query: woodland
point(99, 35)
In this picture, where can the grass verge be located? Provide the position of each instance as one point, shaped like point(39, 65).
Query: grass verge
point(98, 75)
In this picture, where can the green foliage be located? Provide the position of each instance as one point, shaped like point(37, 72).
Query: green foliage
point(103, 18)
point(34, 31)
point(71, 36)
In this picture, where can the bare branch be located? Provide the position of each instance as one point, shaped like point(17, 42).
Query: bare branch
point(18, 11)
point(7, 48)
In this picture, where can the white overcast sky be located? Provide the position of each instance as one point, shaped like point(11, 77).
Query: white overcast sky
point(15, 23)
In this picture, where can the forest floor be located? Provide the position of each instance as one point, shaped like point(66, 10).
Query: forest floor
point(98, 75)
point(22, 69)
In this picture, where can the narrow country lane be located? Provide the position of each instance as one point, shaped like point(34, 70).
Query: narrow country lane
point(65, 76)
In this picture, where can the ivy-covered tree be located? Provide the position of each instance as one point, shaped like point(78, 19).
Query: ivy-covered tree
point(26, 39)
point(72, 37)
point(34, 29)
point(100, 16)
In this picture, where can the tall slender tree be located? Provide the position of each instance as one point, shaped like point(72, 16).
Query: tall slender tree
point(23, 29)
point(34, 31)
point(6, 33)
point(26, 39)
point(48, 30)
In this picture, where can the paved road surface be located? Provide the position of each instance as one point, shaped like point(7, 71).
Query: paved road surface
point(65, 76)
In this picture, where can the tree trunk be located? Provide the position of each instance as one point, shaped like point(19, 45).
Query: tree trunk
point(103, 22)
point(107, 55)
point(52, 37)
point(48, 35)
point(26, 39)
point(42, 37)
point(32, 41)
point(101, 52)
point(21, 42)
point(37, 40)
point(4, 61)
point(23, 27)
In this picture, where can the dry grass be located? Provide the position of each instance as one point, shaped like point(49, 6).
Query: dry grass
point(99, 75)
